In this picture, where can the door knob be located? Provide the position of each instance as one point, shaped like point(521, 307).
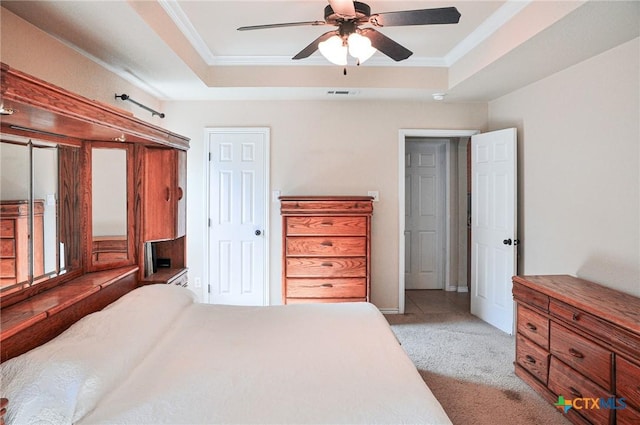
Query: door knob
point(258, 232)
point(507, 241)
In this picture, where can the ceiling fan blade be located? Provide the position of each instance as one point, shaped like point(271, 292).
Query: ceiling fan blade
point(287, 24)
point(386, 45)
point(343, 8)
point(443, 15)
point(308, 51)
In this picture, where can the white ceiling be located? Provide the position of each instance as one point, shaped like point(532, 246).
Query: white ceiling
point(184, 50)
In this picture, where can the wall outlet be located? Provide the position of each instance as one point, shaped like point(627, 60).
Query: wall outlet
point(197, 282)
point(375, 194)
point(275, 195)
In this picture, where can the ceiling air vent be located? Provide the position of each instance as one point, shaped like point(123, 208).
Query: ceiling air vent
point(341, 92)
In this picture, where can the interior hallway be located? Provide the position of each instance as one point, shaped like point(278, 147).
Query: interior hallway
point(419, 301)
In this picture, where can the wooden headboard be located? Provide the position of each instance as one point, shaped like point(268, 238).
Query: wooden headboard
point(35, 109)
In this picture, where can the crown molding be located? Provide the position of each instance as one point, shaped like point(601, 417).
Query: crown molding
point(501, 16)
point(494, 22)
point(183, 23)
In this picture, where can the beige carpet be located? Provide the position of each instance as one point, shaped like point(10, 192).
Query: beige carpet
point(467, 363)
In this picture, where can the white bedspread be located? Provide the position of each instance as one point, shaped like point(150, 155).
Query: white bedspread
point(156, 356)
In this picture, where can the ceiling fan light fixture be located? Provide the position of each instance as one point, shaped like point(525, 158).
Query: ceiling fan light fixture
point(334, 50)
point(360, 47)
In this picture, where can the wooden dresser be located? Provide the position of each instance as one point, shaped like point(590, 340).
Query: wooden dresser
point(109, 248)
point(580, 341)
point(14, 241)
point(326, 248)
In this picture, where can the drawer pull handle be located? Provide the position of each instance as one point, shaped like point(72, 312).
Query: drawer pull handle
point(532, 327)
point(575, 316)
point(576, 353)
point(327, 285)
point(575, 392)
point(327, 264)
point(326, 243)
point(530, 359)
point(327, 223)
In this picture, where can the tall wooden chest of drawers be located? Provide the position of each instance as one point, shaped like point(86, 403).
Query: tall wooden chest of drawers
point(580, 341)
point(326, 244)
point(14, 241)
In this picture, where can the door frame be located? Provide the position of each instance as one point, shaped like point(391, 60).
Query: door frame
point(403, 134)
point(266, 132)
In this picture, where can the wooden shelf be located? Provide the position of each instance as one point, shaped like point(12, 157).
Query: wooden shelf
point(55, 112)
point(166, 275)
point(38, 319)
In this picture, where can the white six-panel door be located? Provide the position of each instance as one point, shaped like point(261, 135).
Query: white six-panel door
point(493, 231)
point(237, 210)
point(425, 215)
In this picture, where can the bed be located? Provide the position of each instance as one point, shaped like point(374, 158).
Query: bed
point(158, 356)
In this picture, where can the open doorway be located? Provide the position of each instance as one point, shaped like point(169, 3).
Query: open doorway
point(439, 258)
point(425, 227)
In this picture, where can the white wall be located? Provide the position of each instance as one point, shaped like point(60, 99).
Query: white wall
point(320, 148)
point(579, 156)
point(28, 49)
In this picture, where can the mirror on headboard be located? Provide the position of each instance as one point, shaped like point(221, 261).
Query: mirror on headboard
point(111, 195)
point(31, 250)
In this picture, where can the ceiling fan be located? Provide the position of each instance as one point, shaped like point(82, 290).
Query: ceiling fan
point(362, 43)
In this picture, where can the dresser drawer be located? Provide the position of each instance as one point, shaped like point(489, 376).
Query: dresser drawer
point(628, 381)
point(323, 300)
point(565, 382)
point(326, 288)
point(110, 245)
point(7, 228)
point(180, 280)
point(326, 267)
point(109, 256)
point(534, 326)
point(326, 246)
point(326, 225)
point(533, 358)
point(528, 296)
point(7, 248)
point(582, 355)
point(581, 319)
point(8, 268)
point(324, 206)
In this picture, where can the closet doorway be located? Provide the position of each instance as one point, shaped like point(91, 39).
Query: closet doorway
point(438, 258)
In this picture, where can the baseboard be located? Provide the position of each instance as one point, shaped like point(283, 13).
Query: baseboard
point(389, 310)
point(451, 288)
point(463, 289)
